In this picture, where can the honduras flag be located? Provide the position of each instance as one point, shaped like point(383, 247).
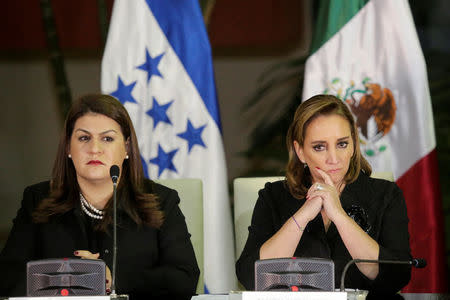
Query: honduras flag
point(157, 62)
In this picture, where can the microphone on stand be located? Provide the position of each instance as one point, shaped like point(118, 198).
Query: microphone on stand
point(114, 172)
point(415, 262)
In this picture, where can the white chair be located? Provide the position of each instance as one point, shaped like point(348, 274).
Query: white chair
point(190, 192)
point(245, 196)
point(383, 175)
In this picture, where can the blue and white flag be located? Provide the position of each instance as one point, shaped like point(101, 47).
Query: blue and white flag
point(157, 62)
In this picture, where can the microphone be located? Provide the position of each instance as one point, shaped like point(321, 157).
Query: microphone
point(415, 262)
point(114, 172)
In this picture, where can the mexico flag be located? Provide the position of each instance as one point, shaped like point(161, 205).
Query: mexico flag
point(367, 53)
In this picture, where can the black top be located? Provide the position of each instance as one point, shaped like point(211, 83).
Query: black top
point(376, 205)
point(151, 263)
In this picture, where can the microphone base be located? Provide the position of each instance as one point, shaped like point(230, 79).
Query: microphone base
point(119, 297)
point(110, 297)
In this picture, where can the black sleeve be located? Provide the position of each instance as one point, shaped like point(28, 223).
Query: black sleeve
point(394, 245)
point(177, 273)
point(261, 229)
point(19, 248)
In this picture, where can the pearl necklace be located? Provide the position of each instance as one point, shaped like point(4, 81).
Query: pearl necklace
point(90, 210)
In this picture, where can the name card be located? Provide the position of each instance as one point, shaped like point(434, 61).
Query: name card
point(287, 295)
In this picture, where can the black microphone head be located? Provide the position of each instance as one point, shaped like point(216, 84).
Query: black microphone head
point(419, 262)
point(114, 172)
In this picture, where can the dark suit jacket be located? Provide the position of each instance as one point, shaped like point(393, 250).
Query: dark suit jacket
point(151, 263)
point(376, 205)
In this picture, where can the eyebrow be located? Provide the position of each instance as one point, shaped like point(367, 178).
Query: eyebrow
point(339, 140)
point(104, 132)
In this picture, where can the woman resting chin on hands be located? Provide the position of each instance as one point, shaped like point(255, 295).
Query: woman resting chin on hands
point(329, 206)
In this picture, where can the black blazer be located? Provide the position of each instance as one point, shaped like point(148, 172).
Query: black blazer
point(151, 263)
point(376, 205)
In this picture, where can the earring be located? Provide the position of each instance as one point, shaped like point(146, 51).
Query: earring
point(305, 165)
point(70, 155)
point(126, 157)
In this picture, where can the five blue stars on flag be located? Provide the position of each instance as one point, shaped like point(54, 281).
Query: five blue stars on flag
point(159, 114)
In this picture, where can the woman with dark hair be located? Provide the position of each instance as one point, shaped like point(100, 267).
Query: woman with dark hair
point(328, 206)
point(72, 214)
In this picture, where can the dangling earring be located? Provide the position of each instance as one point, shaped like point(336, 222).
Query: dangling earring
point(70, 156)
point(305, 165)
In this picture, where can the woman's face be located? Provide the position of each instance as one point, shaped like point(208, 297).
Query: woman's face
point(96, 144)
point(328, 145)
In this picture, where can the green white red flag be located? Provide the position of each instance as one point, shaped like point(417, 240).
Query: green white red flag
point(367, 53)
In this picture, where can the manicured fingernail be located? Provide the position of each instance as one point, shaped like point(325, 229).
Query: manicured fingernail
point(317, 168)
point(108, 291)
point(75, 252)
point(107, 280)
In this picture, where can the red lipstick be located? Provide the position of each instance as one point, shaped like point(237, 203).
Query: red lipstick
point(95, 162)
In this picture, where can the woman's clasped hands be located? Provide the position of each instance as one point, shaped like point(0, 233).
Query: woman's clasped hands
point(323, 196)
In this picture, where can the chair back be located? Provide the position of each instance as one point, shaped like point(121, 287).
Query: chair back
point(245, 196)
point(383, 175)
point(190, 192)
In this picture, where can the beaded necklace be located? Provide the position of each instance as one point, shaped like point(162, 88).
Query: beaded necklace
point(90, 210)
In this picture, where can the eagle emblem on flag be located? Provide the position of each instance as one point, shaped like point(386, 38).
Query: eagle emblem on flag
point(373, 107)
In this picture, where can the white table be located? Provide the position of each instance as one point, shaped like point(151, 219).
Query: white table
point(301, 296)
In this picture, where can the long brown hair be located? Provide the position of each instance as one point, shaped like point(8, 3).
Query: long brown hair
point(64, 190)
point(298, 177)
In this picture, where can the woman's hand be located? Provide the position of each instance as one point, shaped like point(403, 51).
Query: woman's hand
point(329, 194)
point(85, 254)
point(358, 243)
point(311, 208)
